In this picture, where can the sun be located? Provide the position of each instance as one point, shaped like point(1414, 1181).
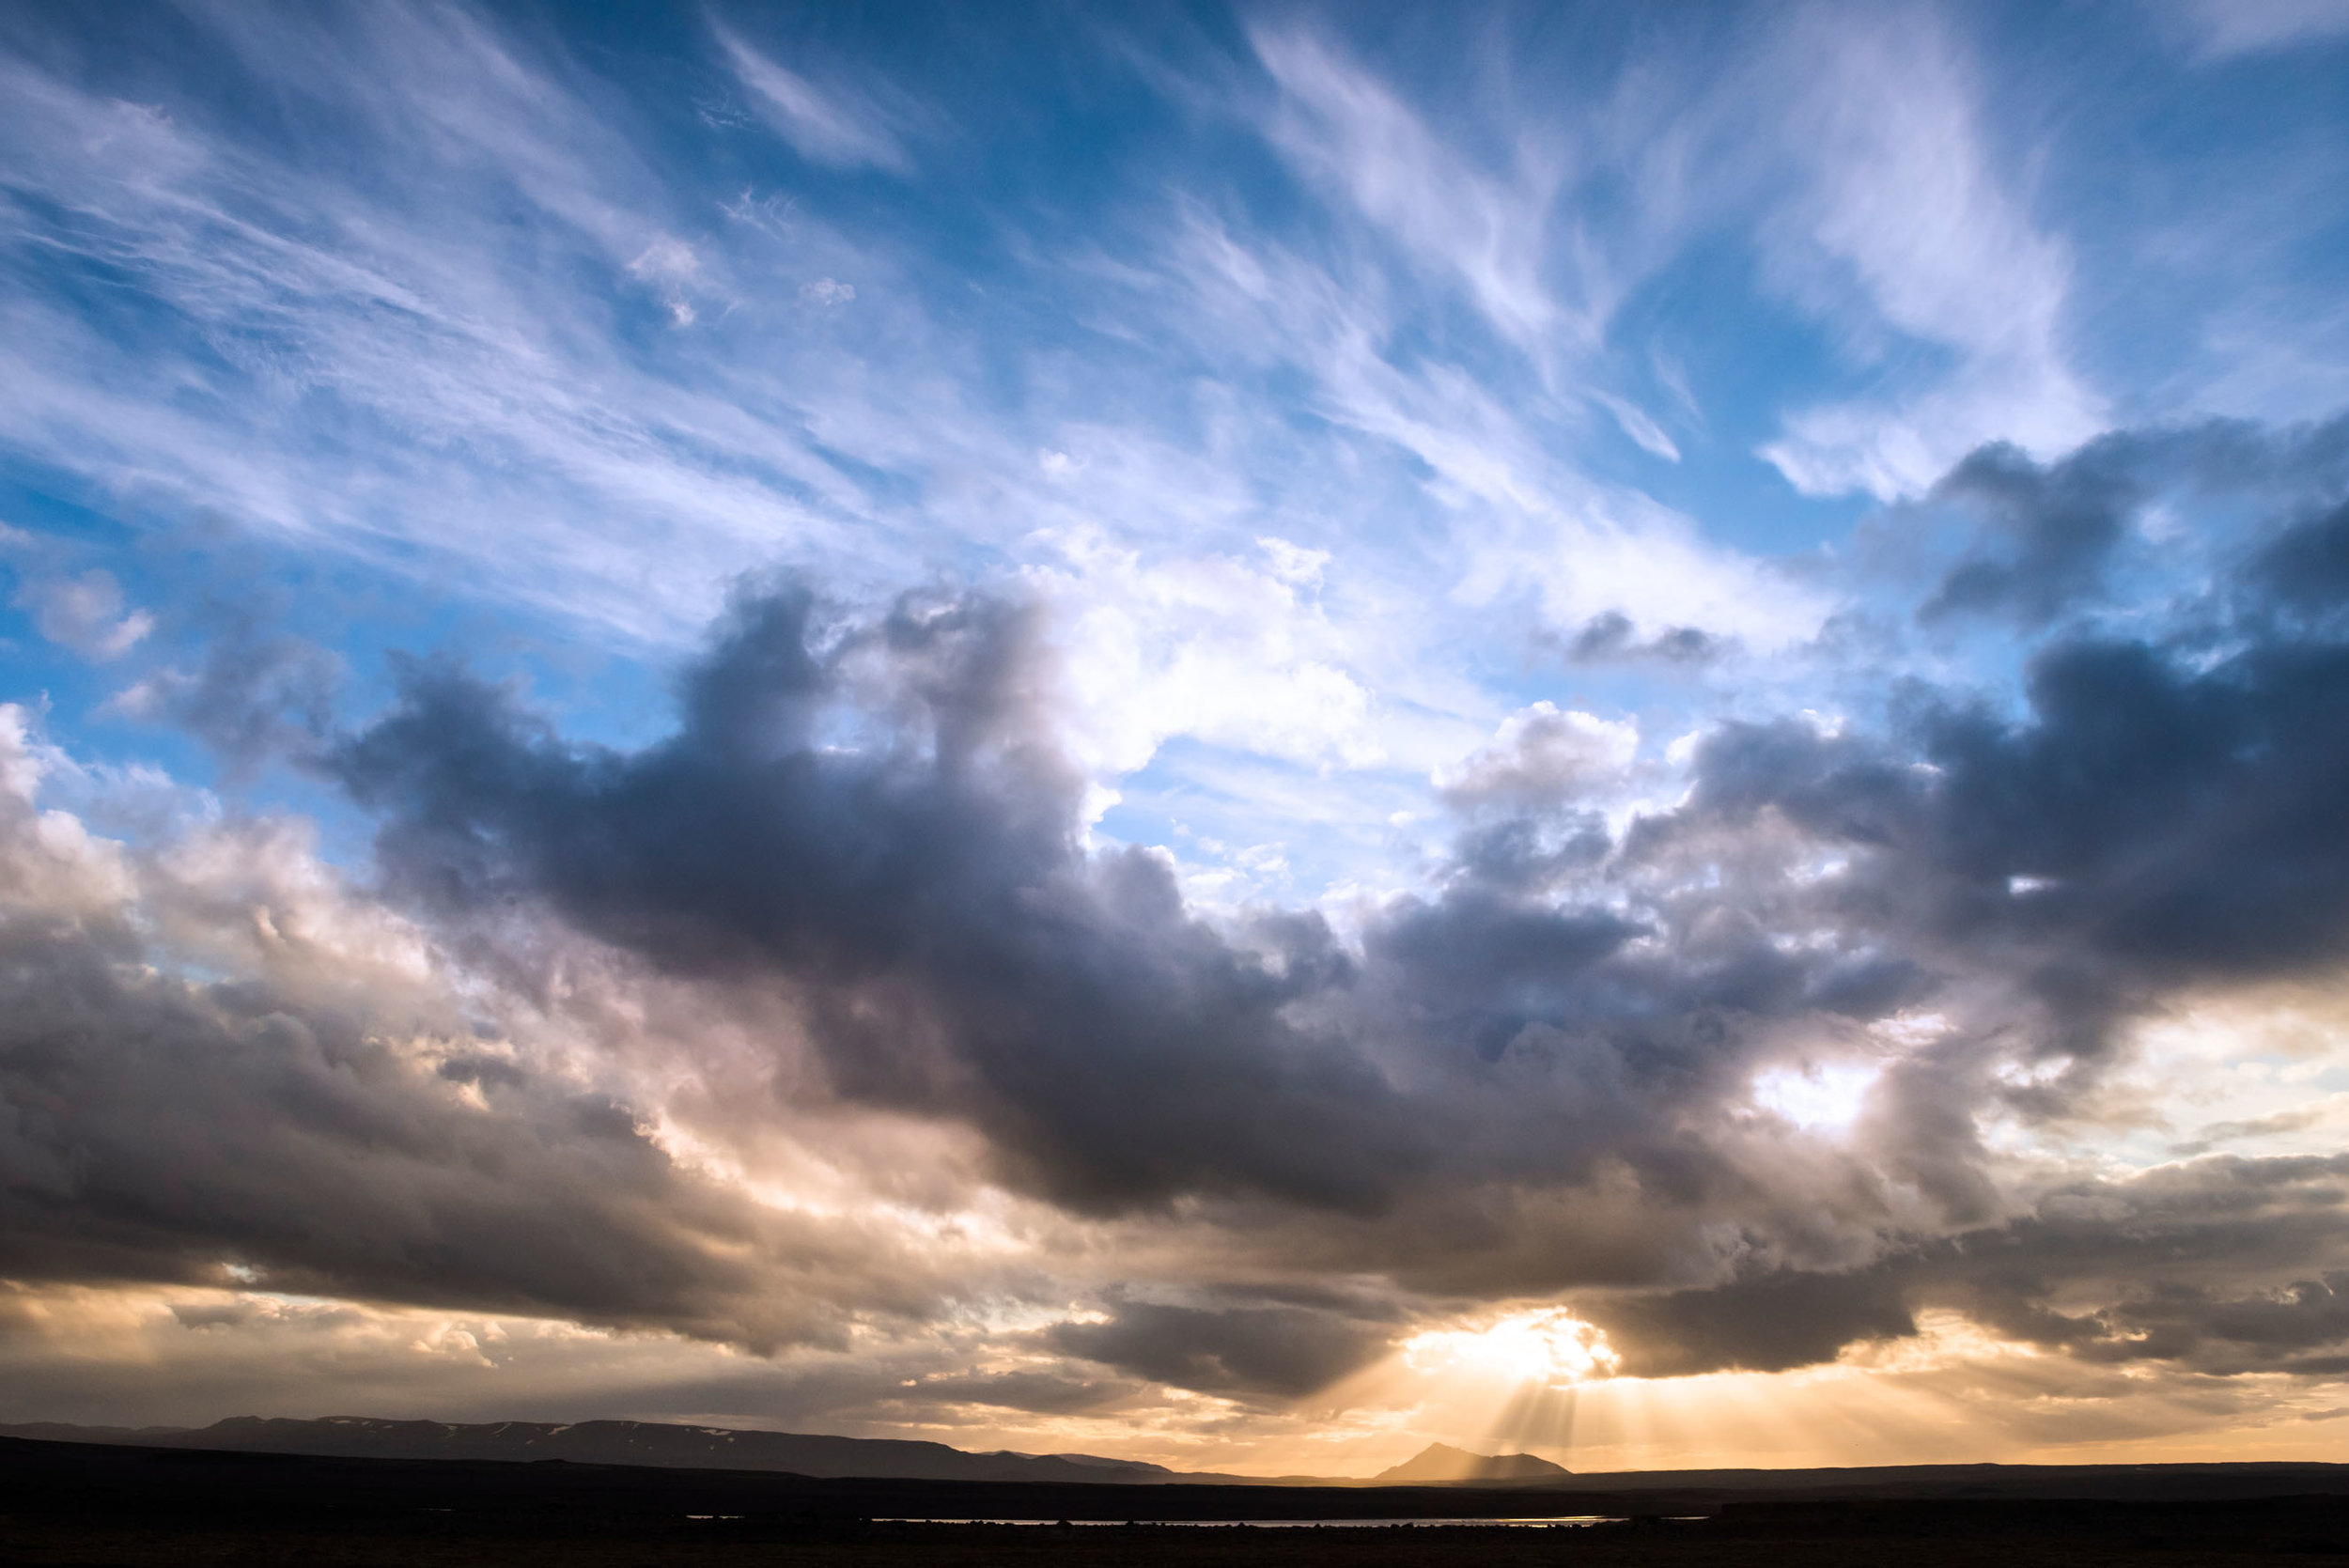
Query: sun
point(1546, 1345)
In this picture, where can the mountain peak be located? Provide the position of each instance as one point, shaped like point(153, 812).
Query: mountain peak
point(1442, 1462)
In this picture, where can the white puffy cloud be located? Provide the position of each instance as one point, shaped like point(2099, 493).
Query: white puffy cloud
point(1229, 650)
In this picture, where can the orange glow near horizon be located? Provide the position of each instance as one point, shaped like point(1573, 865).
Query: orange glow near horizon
point(1541, 1381)
point(1529, 1380)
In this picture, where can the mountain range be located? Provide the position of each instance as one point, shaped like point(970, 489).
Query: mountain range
point(712, 1448)
point(615, 1443)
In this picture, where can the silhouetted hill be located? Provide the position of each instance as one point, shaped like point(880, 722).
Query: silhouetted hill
point(1441, 1478)
point(651, 1443)
point(1440, 1463)
point(65, 1432)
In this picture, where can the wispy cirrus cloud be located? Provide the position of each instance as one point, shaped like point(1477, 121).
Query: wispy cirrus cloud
point(835, 124)
point(1481, 231)
point(1904, 208)
point(2222, 31)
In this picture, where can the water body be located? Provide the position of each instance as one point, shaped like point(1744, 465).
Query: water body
point(1562, 1521)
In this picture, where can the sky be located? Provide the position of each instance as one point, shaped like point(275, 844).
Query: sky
point(1237, 736)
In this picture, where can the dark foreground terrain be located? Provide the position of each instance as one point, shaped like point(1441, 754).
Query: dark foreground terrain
point(72, 1504)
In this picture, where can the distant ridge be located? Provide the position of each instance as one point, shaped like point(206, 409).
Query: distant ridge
point(653, 1443)
point(65, 1432)
point(1440, 1461)
point(667, 1446)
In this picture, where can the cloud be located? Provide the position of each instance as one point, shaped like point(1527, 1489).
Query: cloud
point(1279, 1351)
point(2305, 569)
point(1643, 429)
point(922, 905)
point(922, 902)
point(2300, 1119)
point(2155, 820)
point(220, 1063)
point(1541, 756)
point(2058, 529)
point(162, 1130)
point(1906, 209)
point(833, 125)
point(1348, 129)
point(2059, 537)
point(191, 1354)
point(149, 1116)
point(1610, 637)
point(1232, 650)
point(383, 375)
point(954, 951)
point(255, 696)
point(86, 613)
point(2223, 30)
point(861, 852)
point(1771, 1323)
point(1045, 1393)
point(2160, 811)
point(1455, 1104)
point(2227, 1266)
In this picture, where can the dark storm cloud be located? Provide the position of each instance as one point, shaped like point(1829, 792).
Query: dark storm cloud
point(1481, 966)
point(2086, 1267)
point(1277, 1349)
point(2157, 817)
point(2051, 531)
point(2224, 1265)
point(921, 894)
point(2189, 820)
point(2305, 567)
point(2269, 1330)
point(954, 950)
point(152, 1128)
point(2166, 808)
point(2051, 534)
point(1768, 1323)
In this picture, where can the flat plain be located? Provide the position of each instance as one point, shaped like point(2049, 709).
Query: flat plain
point(78, 1506)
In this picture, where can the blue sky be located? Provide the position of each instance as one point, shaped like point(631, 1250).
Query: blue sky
point(1402, 437)
point(556, 328)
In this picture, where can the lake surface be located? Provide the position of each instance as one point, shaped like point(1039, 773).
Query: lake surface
point(1563, 1521)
